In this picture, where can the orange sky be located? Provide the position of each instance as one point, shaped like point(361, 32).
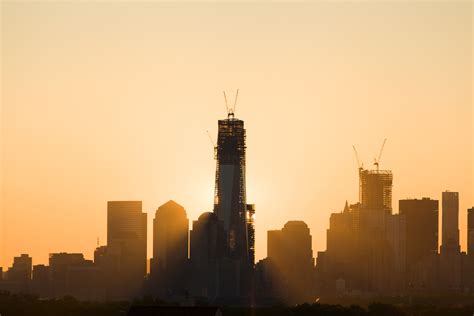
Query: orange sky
point(111, 101)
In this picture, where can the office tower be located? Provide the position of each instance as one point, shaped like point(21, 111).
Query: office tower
point(470, 232)
point(71, 274)
point(40, 283)
point(21, 269)
point(126, 240)
point(19, 274)
point(170, 250)
point(342, 259)
point(290, 250)
point(251, 232)
point(230, 192)
point(231, 208)
point(396, 237)
point(207, 249)
point(450, 222)
point(375, 189)
point(85, 281)
point(450, 257)
point(421, 218)
point(340, 236)
point(107, 259)
point(470, 249)
point(59, 264)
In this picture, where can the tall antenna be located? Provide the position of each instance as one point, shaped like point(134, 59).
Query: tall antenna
point(231, 110)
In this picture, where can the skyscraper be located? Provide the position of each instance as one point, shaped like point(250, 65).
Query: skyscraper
point(470, 248)
point(230, 192)
point(375, 189)
point(40, 283)
point(421, 217)
point(59, 264)
point(470, 232)
point(231, 208)
point(21, 269)
point(421, 235)
point(450, 258)
point(20, 272)
point(450, 222)
point(290, 251)
point(126, 239)
point(207, 249)
point(170, 249)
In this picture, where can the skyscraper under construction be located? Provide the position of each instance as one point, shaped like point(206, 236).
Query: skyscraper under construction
point(230, 193)
point(376, 189)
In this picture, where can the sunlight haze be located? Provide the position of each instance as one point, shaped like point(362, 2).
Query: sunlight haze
point(111, 101)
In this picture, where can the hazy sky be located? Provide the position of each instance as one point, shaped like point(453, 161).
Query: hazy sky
point(111, 101)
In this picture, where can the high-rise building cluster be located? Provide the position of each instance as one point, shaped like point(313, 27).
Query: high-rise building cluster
point(373, 251)
point(370, 250)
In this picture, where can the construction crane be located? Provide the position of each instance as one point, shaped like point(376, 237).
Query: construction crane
point(377, 160)
point(213, 144)
point(231, 110)
point(360, 165)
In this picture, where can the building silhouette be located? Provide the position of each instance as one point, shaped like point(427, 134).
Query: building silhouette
point(421, 217)
point(470, 232)
point(126, 242)
point(290, 252)
point(366, 243)
point(85, 281)
point(41, 282)
point(450, 222)
point(230, 191)
point(18, 276)
point(469, 265)
point(450, 257)
point(232, 210)
point(375, 189)
point(207, 253)
point(397, 243)
point(107, 259)
point(21, 269)
point(59, 264)
point(169, 265)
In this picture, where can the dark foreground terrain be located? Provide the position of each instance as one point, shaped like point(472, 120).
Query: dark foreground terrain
point(18, 304)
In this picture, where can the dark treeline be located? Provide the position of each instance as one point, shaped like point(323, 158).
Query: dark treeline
point(21, 304)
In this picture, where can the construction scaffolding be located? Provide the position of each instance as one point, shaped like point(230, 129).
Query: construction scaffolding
point(251, 232)
point(230, 191)
point(375, 189)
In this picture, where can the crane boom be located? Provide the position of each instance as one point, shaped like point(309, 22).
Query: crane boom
point(377, 160)
point(214, 146)
point(235, 101)
point(357, 157)
point(381, 150)
point(226, 105)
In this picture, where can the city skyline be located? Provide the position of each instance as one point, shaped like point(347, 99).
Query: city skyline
point(362, 197)
point(154, 147)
